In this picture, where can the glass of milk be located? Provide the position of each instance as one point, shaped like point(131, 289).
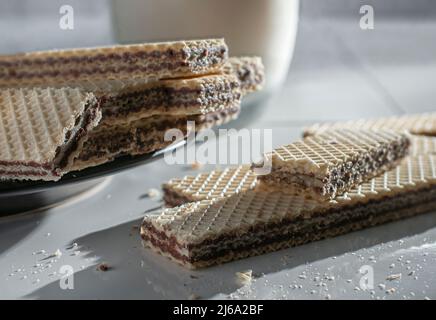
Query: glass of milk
point(266, 28)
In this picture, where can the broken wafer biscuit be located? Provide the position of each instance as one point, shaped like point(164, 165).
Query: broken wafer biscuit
point(249, 71)
point(43, 130)
point(327, 165)
point(420, 124)
point(150, 61)
point(254, 222)
point(144, 136)
point(227, 182)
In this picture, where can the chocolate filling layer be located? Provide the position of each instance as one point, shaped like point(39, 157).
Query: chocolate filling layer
point(342, 177)
point(296, 228)
point(169, 98)
point(194, 57)
point(137, 140)
point(75, 136)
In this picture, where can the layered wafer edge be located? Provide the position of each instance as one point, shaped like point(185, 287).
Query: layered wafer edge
point(208, 232)
point(419, 124)
point(27, 157)
point(145, 136)
point(325, 166)
point(151, 60)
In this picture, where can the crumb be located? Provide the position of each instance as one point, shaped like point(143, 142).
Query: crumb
point(151, 193)
point(103, 267)
point(193, 277)
point(390, 291)
point(245, 277)
point(394, 277)
point(193, 296)
point(196, 165)
point(58, 253)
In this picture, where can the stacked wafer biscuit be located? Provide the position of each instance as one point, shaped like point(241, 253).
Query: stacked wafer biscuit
point(325, 185)
point(142, 90)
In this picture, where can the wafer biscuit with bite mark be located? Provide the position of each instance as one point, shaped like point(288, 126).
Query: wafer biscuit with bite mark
point(43, 130)
point(253, 222)
point(150, 61)
point(327, 165)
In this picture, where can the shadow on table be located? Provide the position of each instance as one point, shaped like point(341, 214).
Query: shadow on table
point(14, 230)
point(137, 273)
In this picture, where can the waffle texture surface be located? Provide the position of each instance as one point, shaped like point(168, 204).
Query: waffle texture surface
point(36, 125)
point(329, 164)
point(420, 124)
point(230, 223)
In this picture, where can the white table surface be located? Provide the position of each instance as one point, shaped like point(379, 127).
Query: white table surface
point(339, 72)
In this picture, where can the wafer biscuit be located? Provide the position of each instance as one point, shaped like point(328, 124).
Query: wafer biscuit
point(226, 183)
point(420, 124)
point(423, 145)
point(329, 164)
point(208, 185)
point(171, 97)
point(249, 71)
point(43, 130)
point(143, 136)
point(147, 61)
point(213, 231)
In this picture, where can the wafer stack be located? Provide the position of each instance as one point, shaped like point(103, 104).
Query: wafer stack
point(143, 90)
point(225, 215)
point(150, 61)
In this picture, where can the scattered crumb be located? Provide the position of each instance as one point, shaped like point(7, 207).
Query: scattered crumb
point(394, 277)
point(103, 267)
point(151, 193)
point(193, 296)
point(196, 165)
point(390, 291)
point(58, 253)
point(245, 277)
point(193, 276)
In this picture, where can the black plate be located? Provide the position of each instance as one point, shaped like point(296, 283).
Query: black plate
point(16, 188)
point(23, 196)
